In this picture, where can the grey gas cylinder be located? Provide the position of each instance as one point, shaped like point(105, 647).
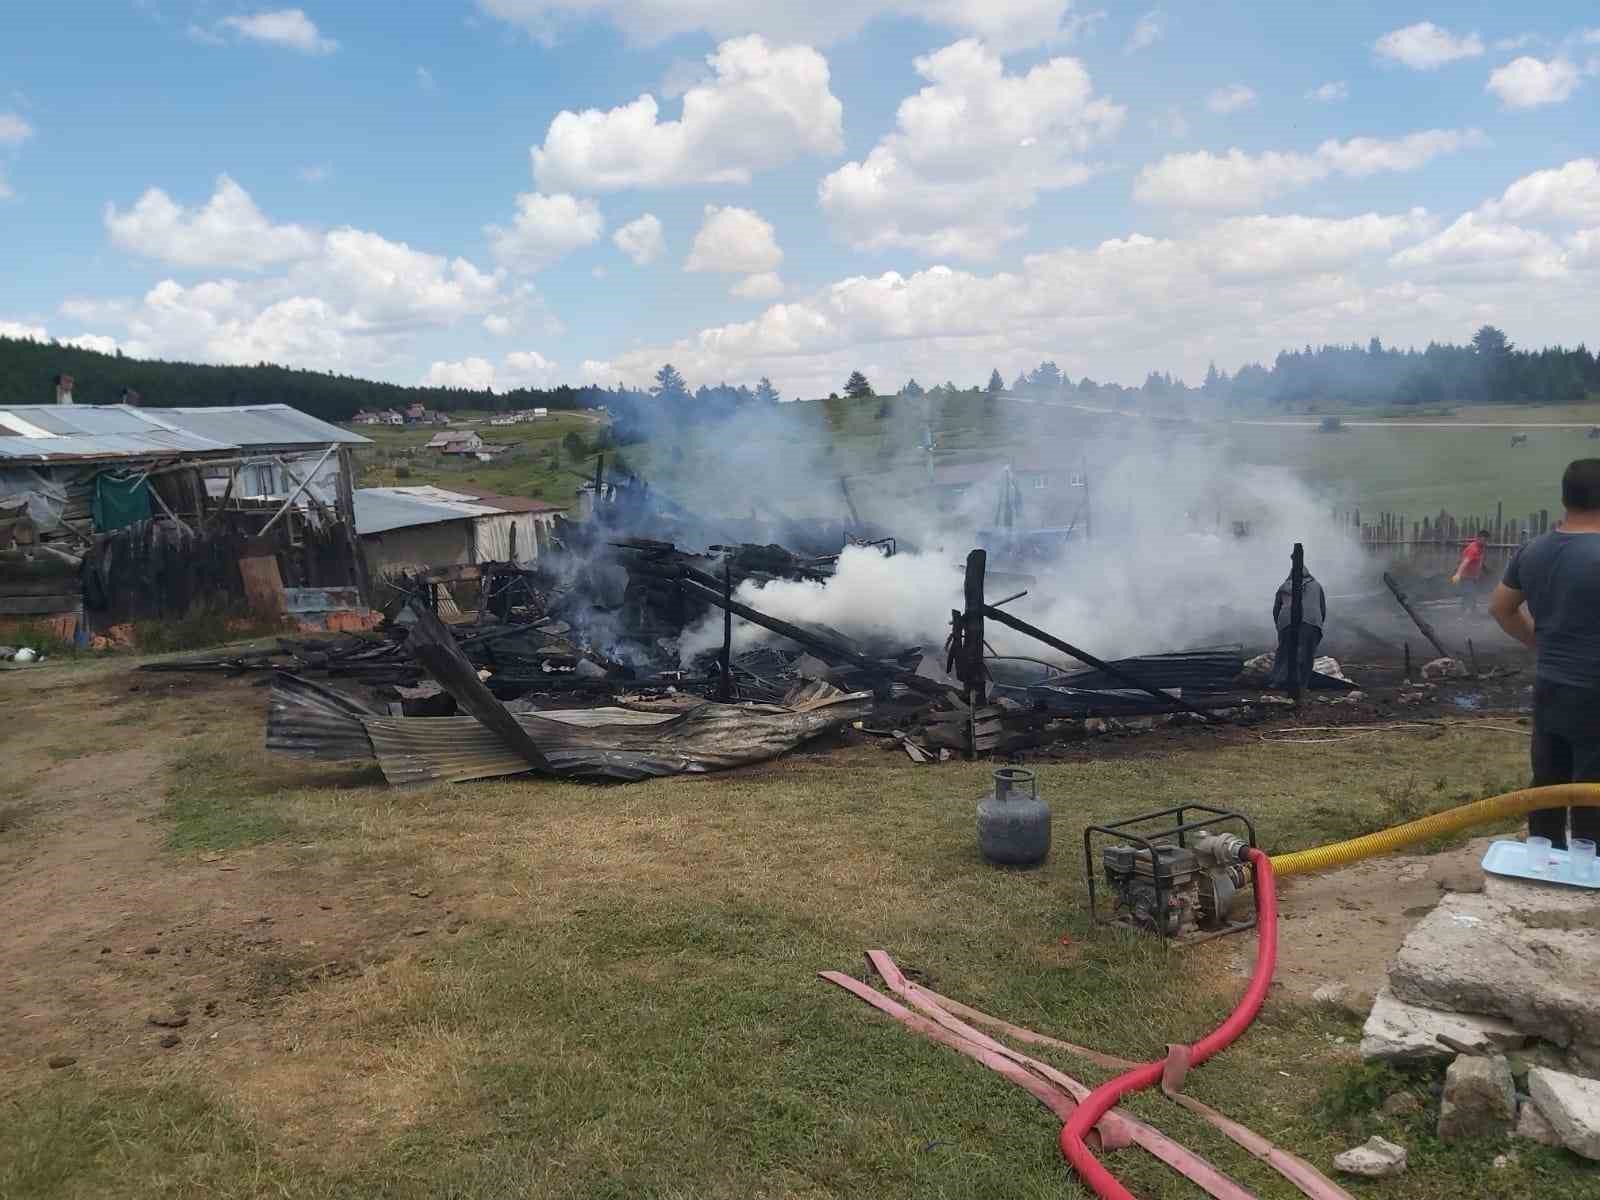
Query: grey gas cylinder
point(1013, 823)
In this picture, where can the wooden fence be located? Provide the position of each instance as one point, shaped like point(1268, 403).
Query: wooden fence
point(1397, 535)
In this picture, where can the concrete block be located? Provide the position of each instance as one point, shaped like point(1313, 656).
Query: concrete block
point(1399, 1032)
point(1532, 1124)
point(1525, 952)
point(1374, 1160)
point(1571, 1106)
point(1479, 1101)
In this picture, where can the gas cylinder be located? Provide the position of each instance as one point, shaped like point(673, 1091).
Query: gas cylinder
point(1013, 823)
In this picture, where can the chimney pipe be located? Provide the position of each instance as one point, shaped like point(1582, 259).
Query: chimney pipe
point(63, 389)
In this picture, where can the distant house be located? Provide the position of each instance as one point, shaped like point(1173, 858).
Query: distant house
point(367, 418)
point(416, 413)
point(512, 419)
point(391, 417)
point(456, 443)
point(957, 478)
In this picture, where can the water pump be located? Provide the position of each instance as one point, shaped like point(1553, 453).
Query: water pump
point(1178, 881)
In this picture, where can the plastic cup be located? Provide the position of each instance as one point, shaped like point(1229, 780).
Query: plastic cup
point(1583, 863)
point(1538, 855)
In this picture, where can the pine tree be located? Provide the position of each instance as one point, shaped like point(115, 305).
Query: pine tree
point(765, 393)
point(857, 387)
point(669, 384)
point(996, 384)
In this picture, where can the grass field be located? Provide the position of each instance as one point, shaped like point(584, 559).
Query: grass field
point(537, 465)
point(537, 989)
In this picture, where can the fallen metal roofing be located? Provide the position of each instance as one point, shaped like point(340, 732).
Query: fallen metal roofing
point(255, 425)
point(609, 743)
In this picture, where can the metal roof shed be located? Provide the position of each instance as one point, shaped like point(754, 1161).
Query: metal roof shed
point(256, 426)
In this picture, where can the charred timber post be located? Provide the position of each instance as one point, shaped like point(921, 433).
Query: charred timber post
point(1416, 619)
point(725, 691)
point(1055, 643)
point(1297, 613)
point(971, 669)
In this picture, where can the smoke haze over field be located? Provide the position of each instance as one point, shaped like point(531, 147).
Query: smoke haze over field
point(1158, 573)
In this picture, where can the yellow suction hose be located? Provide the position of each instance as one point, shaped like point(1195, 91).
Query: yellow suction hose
point(1479, 812)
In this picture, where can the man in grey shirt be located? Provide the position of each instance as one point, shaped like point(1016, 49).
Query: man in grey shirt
point(1550, 601)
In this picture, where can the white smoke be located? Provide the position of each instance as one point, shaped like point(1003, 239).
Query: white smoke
point(1161, 571)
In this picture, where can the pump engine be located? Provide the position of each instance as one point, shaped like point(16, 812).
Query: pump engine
point(1178, 890)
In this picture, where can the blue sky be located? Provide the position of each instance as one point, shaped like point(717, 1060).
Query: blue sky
point(437, 191)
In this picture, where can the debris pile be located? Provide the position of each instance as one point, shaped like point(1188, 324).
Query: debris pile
point(1502, 982)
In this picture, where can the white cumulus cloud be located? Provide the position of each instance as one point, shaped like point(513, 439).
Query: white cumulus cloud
point(765, 106)
point(474, 374)
point(13, 129)
point(1426, 47)
point(1570, 192)
point(762, 286)
point(1005, 24)
point(1231, 98)
point(288, 28)
point(228, 231)
point(544, 230)
point(641, 239)
point(736, 241)
point(1237, 180)
point(518, 369)
point(1529, 82)
point(970, 152)
point(1231, 291)
point(1147, 32)
point(1330, 93)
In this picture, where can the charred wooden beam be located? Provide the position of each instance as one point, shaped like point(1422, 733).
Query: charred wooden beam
point(1117, 673)
point(435, 648)
point(1416, 618)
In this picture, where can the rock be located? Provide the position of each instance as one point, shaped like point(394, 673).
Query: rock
point(1345, 997)
point(1444, 668)
point(1525, 952)
point(1329, 666)
point(1502, 1161)
point(1399, 1032)
point(1532, 1125)
point(1376, 1159)
point(1538, 1054)
point(1400, 1104)
point(1479, 1099)
point(169, 1041)
point(422, 893)
point(56, 1061)
point(172, 1022)
point(152, 949)
point(417, 932)
point(1571, 1106)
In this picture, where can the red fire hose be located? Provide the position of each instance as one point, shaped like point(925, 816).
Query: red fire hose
point(1100, 1101)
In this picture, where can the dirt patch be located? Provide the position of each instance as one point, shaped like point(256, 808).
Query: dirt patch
point(107, 929)
point(1343, 927)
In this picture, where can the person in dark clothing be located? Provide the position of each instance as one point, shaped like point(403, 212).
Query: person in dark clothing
point(1313, 615)
point(1549, 601)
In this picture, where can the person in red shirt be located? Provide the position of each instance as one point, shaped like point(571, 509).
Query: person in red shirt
point(1469, 570)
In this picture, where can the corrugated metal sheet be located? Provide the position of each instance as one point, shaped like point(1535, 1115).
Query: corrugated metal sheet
point(76, 432)
point(310, 721)
point(255, 425)
point(383, 508)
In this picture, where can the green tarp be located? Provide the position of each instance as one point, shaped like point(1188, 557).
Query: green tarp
point(120, 501)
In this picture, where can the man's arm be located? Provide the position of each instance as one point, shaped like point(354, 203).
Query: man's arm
point(1505, 606)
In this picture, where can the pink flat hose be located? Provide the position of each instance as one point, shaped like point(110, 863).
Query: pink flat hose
point(1105, 1097)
